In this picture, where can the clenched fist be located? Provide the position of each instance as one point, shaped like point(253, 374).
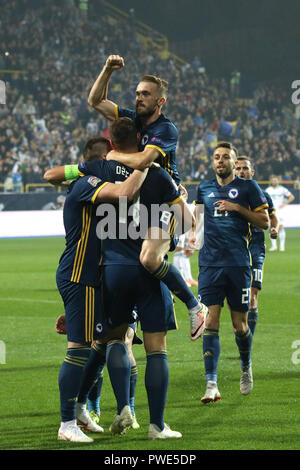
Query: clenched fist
point(114, 62)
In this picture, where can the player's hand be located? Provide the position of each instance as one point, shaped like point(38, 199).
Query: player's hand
point(60, 325)
point(183, 192)
point(224, 205)
point(192, 241)
point(114, 62)
point(273, 232)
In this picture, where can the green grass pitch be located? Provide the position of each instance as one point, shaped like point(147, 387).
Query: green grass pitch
point(268, 419)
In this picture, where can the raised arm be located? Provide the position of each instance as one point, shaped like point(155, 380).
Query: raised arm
point(98, 94)
point(62, 173)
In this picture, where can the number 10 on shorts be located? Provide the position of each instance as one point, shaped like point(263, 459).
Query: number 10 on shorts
point(246, 295)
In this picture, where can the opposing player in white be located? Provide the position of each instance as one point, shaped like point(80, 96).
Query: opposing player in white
point(281, 197)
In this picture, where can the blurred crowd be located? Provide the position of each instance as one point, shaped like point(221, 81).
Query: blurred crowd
point(46, 119)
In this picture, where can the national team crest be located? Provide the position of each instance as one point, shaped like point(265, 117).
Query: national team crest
point(93, 181)
point(233, 193)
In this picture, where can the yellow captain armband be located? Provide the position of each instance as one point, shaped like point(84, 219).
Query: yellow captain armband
point(71, 172)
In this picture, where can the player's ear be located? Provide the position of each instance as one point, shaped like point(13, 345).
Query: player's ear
point(253, 172)
point(161, 101)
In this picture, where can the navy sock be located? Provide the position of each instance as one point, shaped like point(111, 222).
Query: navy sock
point(94, 395)
point(252, 319)
point(170, 275)
point(69, 380)
point(244, 343)
point(156, 382)
point(211, 353)
point(133, 380)
point(118, 366)
point(92, 370)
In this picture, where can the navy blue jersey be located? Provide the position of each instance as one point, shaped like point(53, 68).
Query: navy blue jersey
point(226, 233)
point(257, 242)
point(162, 135)
point(79, 262)
point(124, 246)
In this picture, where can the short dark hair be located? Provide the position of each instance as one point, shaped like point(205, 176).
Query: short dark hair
point(162, 85)
point(123, 133)
point(90, 154)
point(227, 145)
point(248, 159)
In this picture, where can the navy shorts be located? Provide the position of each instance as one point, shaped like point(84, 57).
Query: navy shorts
point(127, 287)
point(85, 321)
point(230, 283)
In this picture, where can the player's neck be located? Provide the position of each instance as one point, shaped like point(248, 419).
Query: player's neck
point(148, 120)
point(225, 181)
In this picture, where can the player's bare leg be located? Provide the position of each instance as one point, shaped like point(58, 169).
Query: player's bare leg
point(152, 257)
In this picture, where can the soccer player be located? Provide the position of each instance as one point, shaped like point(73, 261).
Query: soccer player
point(78, 281)
point(158, 141)
point(281, 197)
point(230, 204)
point(244, 169)
point(123, 274)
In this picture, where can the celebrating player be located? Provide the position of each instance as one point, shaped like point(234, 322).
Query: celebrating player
point(281, 197)
point(78, 281)
point(224, 261)
point(244, 169)
point(158, 141)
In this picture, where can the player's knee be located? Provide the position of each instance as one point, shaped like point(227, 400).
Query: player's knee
point(150, 260)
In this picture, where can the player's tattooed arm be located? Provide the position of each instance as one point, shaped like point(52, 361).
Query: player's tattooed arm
point(138, 160)
point(98, 94)
point(259, 218)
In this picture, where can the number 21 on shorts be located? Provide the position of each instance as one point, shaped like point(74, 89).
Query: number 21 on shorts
point(246, 295)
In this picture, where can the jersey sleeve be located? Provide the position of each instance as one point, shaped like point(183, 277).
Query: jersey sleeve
point(271, 208)
point(163, 138)
point(171, 194)
point(257, 198)
point(124, 112)
point(87, 188)
point(95, 167)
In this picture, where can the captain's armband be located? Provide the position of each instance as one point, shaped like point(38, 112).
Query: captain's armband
point(71, 172)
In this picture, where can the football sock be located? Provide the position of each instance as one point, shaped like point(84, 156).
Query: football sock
point(94, 395)
point(170, 275)
point(69, 380)
point(156, 382)
point(274, 242)
point(282, 236)
point(118, 366)
point(133, 380)
point(211, 353)
point(252, 319)
point(92, 370)
point(244, 342)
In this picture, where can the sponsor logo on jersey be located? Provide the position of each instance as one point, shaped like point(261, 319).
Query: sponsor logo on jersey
point(233, 193)
point(99, 327)
point(93, 181)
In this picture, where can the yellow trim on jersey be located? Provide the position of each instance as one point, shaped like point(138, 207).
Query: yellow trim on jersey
point(89, 313)
point(157, 148)
point(81, 246)
point(81, 174)
point(175, 201)
point(264, 206)
point(117, 111)
point(97, 191)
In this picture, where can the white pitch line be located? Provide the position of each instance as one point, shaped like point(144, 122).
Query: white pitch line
point(12, 299)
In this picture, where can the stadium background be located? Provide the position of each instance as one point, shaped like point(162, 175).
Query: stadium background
point(230, 65)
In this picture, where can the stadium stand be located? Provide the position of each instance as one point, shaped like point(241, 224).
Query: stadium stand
point(51, 53)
